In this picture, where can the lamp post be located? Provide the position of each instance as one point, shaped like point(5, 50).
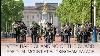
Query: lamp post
point(94, 38)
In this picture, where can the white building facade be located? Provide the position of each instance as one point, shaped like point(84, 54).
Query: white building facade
point(34, 13)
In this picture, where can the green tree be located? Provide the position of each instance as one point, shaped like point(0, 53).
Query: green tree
point(11, 10)
point(76, 11)
point(98, 13)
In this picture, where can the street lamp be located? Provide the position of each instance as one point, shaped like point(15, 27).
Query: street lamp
point(94, 38)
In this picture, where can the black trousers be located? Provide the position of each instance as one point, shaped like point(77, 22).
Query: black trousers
point(67, 39)
point(34, 38)
point(17, 38)
point(85, 38)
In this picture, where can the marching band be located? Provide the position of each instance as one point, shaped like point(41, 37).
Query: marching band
point(83, 32)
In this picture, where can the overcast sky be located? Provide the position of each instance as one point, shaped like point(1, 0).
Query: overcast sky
point(32, 2)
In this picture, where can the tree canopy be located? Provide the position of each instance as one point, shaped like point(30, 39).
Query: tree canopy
point(11, 10)
point(76, 11)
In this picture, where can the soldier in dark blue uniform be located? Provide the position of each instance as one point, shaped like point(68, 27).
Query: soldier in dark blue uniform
point(69, 34)
point(66, 36)
point(24, 32)
point(49, 33)
point(17, 29)
point(34, 34)
point(46, 35)
point(85, 36)
point(20, 31)
point(80, 37)
point(78, 33)
point(62, 34)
